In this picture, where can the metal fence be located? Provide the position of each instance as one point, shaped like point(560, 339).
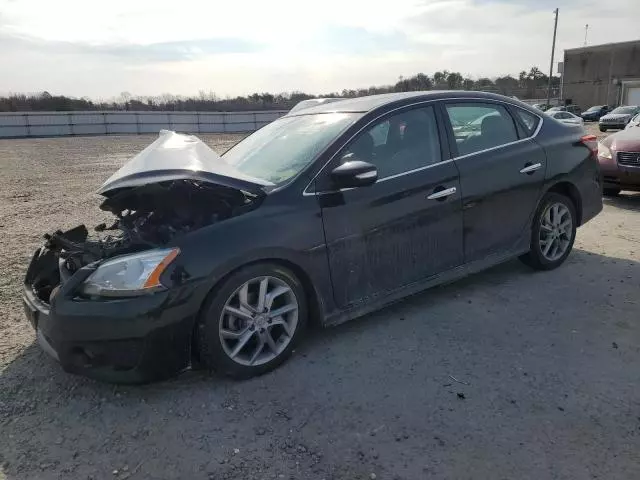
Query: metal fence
point(54, 124)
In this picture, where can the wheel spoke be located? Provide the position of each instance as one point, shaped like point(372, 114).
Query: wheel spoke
point(547, 247)
point(242, 341)
point(257, 352)
point(231, 335)
point(565, 226)
point(243, 297)
point(236, 312)
point(547, 217)
point(283, 323)
point(546, 227)
point(556, 248)
point(556, 214)
point(273, 294)
point(278, 312)
point(270, 342)
point(262, 295)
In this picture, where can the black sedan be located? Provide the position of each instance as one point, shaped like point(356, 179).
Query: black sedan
point(321, 216)
point(593, 114)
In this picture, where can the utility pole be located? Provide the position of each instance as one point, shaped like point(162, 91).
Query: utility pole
point(586, 30)
point(553, 51)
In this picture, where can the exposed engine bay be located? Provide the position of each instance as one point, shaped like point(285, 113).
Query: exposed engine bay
point(148, 216)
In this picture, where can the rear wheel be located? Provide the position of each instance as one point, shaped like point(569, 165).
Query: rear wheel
point(252, 322)
point(553, 233)
point(611, 192)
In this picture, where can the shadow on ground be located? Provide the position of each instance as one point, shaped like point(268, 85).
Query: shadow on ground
point(505, 374)
point(624, 201)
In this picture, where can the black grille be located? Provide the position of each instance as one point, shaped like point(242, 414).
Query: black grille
point(629, 158)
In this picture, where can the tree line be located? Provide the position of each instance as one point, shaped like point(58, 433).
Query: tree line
point(529, 84)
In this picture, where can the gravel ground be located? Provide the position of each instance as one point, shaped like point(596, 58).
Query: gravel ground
point(549, 363)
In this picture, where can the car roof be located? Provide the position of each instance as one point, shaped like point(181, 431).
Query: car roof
point(373, 102)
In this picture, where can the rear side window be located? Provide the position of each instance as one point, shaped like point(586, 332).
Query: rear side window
point(529, 121)
point(480, 126)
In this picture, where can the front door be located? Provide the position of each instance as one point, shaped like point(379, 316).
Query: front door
point(405, 227)
point(502, 171)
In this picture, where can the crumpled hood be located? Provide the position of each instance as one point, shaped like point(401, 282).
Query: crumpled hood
point(616, 116)
point(174, 156)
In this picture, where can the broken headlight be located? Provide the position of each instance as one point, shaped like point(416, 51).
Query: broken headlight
point(130, 275)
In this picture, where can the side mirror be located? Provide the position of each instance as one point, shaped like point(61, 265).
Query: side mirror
point(354, 173)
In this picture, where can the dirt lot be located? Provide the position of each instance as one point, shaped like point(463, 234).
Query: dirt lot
point(549, 360)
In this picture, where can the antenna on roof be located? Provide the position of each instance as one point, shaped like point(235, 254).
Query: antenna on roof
point(586, 30)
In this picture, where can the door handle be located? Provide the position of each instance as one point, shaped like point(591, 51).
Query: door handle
point(440, 194)
point(531, 168)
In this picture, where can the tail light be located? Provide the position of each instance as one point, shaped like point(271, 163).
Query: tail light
point(591, 142)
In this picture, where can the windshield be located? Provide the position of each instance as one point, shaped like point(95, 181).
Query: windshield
point(627, 110)
point(594, 109)
point(282, 149)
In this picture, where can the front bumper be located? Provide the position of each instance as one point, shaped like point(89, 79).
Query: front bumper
point(125, 340)
point(614, 175)
point(613, 124)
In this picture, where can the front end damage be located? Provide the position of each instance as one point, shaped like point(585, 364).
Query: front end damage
point(138, 334)
point(146, 217)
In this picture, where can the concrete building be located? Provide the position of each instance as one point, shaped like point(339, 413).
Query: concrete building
point(606, 74)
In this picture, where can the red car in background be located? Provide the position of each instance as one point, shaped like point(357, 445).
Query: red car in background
point(619, 158)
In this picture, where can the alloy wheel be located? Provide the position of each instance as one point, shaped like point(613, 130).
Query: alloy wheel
point(556, 230)
point(258, 321)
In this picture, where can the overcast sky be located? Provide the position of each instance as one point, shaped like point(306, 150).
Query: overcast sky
point(99, 49)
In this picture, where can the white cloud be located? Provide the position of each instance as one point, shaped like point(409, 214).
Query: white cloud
point(148, 47)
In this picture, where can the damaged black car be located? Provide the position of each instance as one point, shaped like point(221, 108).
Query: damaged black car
point(321, 216)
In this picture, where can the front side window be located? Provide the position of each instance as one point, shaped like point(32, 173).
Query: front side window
point(282, 149)
point(480, 126)
point(401, 143)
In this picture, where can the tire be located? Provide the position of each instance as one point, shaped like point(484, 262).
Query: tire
point(536, 257)
point(215, 352)
point(603, 129)
point(611, 192)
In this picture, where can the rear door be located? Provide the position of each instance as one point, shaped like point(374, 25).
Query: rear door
point(502, 171)
point(405, 227)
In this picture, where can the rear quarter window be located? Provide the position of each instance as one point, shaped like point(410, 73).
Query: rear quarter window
point(528, 120)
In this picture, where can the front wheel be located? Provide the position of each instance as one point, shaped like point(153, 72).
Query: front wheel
point(252, 322)
point(553, 233)
point(603, 129)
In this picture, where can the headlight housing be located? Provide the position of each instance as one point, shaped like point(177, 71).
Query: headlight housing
point(130, 275)
point(604, 151)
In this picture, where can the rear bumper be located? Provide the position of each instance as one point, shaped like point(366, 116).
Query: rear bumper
point(132, 340)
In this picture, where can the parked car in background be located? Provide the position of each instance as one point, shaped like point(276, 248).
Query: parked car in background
point(634, 122)
point(312, 102)
point(619, 158)
point(541, 106)
point(576, 110)
point(618, 117)
point(322, 215)
point(594, 113)
point(566, 117)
